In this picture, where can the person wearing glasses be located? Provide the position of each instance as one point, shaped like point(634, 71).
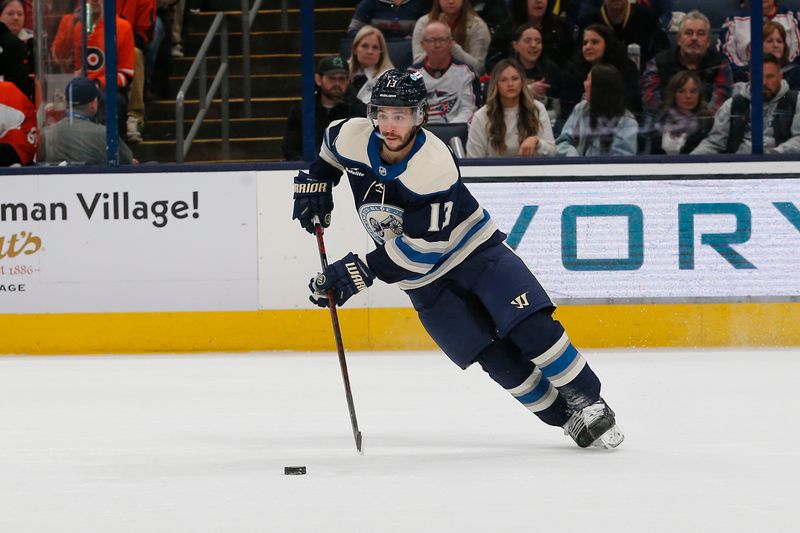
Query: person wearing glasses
point(453, 88)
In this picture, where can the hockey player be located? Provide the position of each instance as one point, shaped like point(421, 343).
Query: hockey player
point(473, 294)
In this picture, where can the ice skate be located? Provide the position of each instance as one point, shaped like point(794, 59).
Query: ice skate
point(594, 425)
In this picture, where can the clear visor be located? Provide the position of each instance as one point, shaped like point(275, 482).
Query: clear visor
point(395, 116)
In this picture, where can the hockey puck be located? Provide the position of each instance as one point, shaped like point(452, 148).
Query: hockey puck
point(294, 470)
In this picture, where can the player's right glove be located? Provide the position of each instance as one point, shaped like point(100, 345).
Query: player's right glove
point(313, 197)
point(346, 277)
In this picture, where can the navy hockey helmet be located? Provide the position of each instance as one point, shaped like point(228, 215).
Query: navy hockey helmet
point(399, 88)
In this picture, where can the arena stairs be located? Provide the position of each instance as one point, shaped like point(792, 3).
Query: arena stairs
point(275, 82)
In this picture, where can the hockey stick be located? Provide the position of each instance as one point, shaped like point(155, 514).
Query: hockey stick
point(337, 333)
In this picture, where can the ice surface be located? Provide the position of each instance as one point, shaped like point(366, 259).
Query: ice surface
point(198, 443)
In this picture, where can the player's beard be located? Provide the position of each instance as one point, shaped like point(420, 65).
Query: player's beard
point(405, 142)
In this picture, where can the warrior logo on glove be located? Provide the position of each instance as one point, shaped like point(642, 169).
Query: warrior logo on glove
point(313, 198)
point(345, 277)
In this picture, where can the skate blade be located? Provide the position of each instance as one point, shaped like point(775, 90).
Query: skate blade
point(610, 439)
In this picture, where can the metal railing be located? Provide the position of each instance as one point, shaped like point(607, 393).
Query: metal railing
point(205, 96)
point(248, 16)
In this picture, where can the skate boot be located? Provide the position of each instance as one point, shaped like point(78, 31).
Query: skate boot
point(594, 425)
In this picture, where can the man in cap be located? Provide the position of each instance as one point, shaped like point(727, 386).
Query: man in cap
point(77, 138)
point(333, 102)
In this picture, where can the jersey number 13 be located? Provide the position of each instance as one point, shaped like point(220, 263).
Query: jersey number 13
point(437, 222)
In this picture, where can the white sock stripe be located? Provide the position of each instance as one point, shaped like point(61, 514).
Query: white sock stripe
point(544, 402)
point(528, 384)
point(555, 350)
point(570, 373)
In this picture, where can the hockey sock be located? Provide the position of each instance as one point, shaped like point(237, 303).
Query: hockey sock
point(517, 374)
point(546, 343)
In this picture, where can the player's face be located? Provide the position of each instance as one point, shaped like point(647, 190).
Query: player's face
point(772, 80)
point(509, 84)
point(773, 44)
point(593, 47)
point(368, 51)
point(396, 125)
point(688, 96)
point(529, 46)
point(13, 16)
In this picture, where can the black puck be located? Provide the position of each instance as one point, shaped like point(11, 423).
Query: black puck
point(294, 470)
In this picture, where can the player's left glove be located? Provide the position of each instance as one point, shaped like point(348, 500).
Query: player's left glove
point(345, 277)
point(313, 197)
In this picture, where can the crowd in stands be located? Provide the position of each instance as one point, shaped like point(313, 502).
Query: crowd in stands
point(533, 78)
point(148, 35)
point(525, 78)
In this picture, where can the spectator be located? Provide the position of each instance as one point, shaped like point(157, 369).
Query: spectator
point(542, 75)
point(731, 133)
point(67, 50)
point(332, 79)
point(141, 15)
point(12, 14)
point(734, 36)
point(631, 23)
point(471, 35)
point(558, 35)
point(176, 28)
point(600, 46)
point(395, 18)
point(16, 63)
point(498, 20)
point(662, 9)
point(693, 52)
point(76, 138)
point(600, 124)
point(775, 44)
point(685, 121)
point(453, 87)
point(512, 123)
point(17, 127)
point(368, 60)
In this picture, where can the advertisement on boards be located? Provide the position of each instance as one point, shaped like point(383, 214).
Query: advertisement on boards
point(679, 240)
point(128, 242)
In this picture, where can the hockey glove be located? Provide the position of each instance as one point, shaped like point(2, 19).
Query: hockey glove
point(345, 278)
point(313, 197)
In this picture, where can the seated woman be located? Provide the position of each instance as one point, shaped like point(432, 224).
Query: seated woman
point(542, 75)
point(684, 122)
point(600, 46)
point(557, 34)
point(512, 123)
point(471, 35)
point(775, 44)
point(600, 124)
point(368, 60)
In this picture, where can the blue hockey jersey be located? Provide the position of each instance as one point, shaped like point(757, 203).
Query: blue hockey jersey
point(419, 213)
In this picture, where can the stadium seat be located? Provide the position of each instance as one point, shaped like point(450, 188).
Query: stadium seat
point(447, 131)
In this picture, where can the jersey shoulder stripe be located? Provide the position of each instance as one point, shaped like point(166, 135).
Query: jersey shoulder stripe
point(346, 140)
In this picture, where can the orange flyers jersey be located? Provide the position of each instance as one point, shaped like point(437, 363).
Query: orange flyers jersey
point(95, 44)
point(17, 122)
